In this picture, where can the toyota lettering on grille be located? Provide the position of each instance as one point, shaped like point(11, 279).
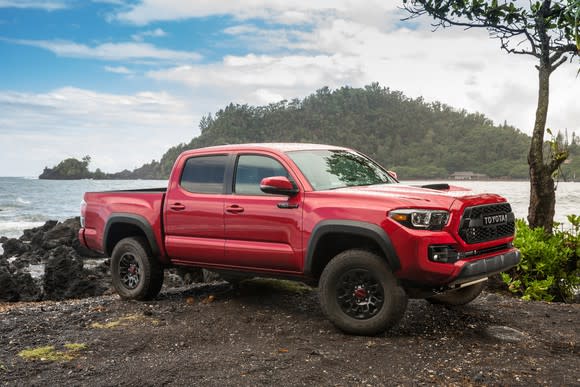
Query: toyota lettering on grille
point(494, 219)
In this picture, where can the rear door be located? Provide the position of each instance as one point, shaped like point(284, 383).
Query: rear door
point(262, 231)
point(194, 211)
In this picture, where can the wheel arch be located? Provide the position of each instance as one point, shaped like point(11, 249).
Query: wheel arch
point(122, 225)
point(341, 230)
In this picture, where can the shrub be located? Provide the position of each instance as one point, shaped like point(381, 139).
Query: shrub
point(548, 269)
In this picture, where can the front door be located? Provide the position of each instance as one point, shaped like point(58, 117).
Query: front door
point(262, 231)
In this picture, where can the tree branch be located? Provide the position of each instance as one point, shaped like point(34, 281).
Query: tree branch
point(566, 48)
point(481, 21)
point(504, 46)
point(532, 43)
point(554, 66)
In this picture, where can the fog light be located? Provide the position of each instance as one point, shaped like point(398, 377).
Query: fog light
point(443, 253)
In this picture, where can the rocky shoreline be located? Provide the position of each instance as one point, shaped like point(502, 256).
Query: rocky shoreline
point(49, 263)
point(54, 247)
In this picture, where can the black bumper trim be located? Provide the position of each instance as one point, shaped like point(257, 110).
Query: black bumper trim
point(486, 267)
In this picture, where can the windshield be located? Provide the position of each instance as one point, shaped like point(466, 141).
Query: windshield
point(331, 169)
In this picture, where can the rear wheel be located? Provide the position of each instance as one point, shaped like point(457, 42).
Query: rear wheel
point(135, 273)
point(458, 297)
point(360, 295)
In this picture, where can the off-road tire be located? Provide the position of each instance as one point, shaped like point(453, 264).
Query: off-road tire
point(336, 278)
point(147, 280)
point(458, 297)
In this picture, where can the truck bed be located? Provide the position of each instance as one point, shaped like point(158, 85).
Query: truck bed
point(140, 205)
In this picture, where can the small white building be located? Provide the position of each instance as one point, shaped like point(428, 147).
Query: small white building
point(468, 175)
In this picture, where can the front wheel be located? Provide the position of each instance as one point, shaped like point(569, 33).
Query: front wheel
point(360, 295)
point(136, 274)
point(458, 297)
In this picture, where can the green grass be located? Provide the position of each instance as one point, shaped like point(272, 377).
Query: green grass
point(49, 352)
point(122, 322)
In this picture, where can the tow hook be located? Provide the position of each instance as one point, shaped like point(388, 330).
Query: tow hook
point(444, 289)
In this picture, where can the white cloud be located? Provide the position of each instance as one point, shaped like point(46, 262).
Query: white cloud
point(264, 78)
point(110, 51)
point(243, 29)
point(156, 33)
point(464, 69)
point(267, 40)
point(114, 2)
point(276, 11)
point(118, 70)
point(118, 131)
point(34, 4)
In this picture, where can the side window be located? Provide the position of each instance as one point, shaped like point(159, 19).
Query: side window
point(252, 169)
point(204, 174)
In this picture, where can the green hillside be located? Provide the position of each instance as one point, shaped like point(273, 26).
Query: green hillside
point(415, 138)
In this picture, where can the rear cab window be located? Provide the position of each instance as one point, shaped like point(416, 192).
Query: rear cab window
point(204, 174)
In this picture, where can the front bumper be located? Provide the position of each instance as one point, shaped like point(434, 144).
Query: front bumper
point(482, 268)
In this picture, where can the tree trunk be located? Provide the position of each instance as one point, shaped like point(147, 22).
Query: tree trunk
point(542, 194)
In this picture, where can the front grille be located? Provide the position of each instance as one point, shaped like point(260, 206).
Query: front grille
point(472, 228)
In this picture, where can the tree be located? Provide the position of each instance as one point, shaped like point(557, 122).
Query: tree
point(86, 160)
point(546, 30)
point(205, 122)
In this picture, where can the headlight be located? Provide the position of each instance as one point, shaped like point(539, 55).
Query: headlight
point(421, 219)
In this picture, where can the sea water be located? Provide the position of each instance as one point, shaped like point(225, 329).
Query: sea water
point(27, 202)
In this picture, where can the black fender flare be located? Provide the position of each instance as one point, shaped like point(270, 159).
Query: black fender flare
point(135, 220)
point(352, 227)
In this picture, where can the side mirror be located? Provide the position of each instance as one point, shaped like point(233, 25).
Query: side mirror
point(278, 185)
point(393, 174)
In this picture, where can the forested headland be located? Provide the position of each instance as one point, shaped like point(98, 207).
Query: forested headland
point(417, 139)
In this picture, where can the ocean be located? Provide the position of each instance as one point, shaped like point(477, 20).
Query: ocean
point(27, 202)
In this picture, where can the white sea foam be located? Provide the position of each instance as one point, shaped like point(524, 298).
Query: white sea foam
point(13, 229)
point(19, 200)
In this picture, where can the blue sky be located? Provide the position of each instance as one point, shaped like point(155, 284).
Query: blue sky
point(124, 80)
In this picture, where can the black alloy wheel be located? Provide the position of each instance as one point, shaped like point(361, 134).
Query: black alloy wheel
point(359, 294)
point(129, 271)
point(136, 273)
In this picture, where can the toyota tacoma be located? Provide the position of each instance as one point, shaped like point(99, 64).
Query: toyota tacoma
point(325, 215)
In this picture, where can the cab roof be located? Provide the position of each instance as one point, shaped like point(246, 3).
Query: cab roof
point(280, 147)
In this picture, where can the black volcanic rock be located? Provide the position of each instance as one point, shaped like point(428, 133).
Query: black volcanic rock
point(30, 234)
point(62, 234)
point(14, 247)
point(16, 285)
point(65, 276)
point(56, 244)
point(8, 290)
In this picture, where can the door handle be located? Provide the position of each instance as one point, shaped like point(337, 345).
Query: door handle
point(177, 207)
point(234, 209)
point(286, 205)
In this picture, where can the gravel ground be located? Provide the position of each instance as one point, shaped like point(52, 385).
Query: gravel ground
point(270, 332)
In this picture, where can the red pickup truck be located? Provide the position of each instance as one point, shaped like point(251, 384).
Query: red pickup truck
point(320, 214)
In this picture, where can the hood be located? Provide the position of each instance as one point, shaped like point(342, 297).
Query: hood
point(429, 196)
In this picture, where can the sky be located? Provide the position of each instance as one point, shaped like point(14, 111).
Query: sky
point(122, 80)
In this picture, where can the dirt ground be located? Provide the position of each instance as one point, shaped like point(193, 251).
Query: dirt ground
point(272, 333)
